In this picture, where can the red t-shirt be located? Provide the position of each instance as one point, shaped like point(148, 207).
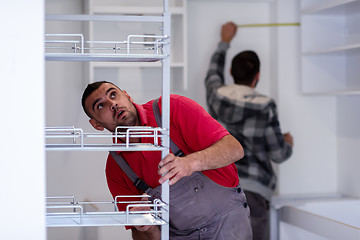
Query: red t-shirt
point(191, 128)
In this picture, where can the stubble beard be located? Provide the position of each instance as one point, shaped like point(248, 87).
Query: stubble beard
point(129, 121)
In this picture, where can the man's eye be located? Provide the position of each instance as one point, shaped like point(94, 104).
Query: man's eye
point(100, 106)
point(113, 94)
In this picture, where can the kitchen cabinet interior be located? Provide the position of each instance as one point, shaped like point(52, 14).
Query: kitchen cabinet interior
point(330, 56)
point(100, 30)
point(330, 47)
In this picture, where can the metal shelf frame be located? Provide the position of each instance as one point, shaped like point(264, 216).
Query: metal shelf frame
point(76, 48)
point(160, 45)
point(73, 47)
point(74, 139)
point(75, 216)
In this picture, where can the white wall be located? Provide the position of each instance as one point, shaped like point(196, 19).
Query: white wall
point(204, 24)
point(22, 171)
point(348, 132)
point(311, 120)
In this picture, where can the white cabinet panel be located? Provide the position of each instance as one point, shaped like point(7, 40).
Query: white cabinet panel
point(330, 47)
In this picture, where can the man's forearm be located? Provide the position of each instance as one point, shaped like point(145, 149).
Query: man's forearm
point(222, 153)
point(215, 75)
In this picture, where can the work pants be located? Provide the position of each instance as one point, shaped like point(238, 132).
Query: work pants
point(201, 209)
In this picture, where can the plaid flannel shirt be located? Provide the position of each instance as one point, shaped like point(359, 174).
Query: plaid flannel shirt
point(252, 119)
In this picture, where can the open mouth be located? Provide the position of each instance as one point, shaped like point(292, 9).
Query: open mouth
point(119, 114)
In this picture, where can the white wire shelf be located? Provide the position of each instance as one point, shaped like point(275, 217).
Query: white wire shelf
point(136, 48)
point(74, 139)
point(65, 213)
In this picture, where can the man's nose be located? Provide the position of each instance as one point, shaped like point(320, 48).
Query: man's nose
point(114, 106)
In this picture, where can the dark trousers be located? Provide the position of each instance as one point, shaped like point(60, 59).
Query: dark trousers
point(259, 212)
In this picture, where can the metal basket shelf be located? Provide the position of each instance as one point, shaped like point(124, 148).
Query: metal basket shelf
point(136, 48)
point(65, 213)
point(74, 139)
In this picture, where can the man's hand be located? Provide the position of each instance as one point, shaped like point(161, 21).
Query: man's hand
point(222, 153)
point(133, 209)
point(228, 31)
point(174, 168)
point(143, 232)
point(153, 233)
point(289, 139)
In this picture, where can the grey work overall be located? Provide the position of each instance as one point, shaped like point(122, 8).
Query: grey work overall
point(202, 209)
point(199, 207)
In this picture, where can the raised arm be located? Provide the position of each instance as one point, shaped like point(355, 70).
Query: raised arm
point(215, 74)
point(222, 153)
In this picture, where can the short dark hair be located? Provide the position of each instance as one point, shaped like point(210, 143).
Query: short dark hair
point(89, 90)
point(244, 67)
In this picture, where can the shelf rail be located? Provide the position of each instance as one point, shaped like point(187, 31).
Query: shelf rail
point(134, 44)
point(147, 211)
point(73, 43)
point(71, 138)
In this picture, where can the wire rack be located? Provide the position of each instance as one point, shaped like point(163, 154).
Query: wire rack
point(65, 211)
point(135, 48)
point(71, 138)
point(73, 47)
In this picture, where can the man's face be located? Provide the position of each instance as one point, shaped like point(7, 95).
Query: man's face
point(110, 107)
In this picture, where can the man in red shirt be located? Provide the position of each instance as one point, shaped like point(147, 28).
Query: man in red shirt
point(218, 209)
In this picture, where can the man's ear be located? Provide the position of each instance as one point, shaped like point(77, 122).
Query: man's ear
point(256, 80)
point(128, 96)
point(96, 124)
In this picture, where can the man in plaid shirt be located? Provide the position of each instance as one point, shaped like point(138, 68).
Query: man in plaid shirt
point(251, 118)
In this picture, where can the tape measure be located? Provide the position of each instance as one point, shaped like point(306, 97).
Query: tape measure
point(268, 25)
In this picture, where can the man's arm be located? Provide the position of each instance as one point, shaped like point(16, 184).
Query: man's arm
point(222, 153)
point(215, 74)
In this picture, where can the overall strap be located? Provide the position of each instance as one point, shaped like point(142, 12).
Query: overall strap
point(174, 148)
point(138, 182)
